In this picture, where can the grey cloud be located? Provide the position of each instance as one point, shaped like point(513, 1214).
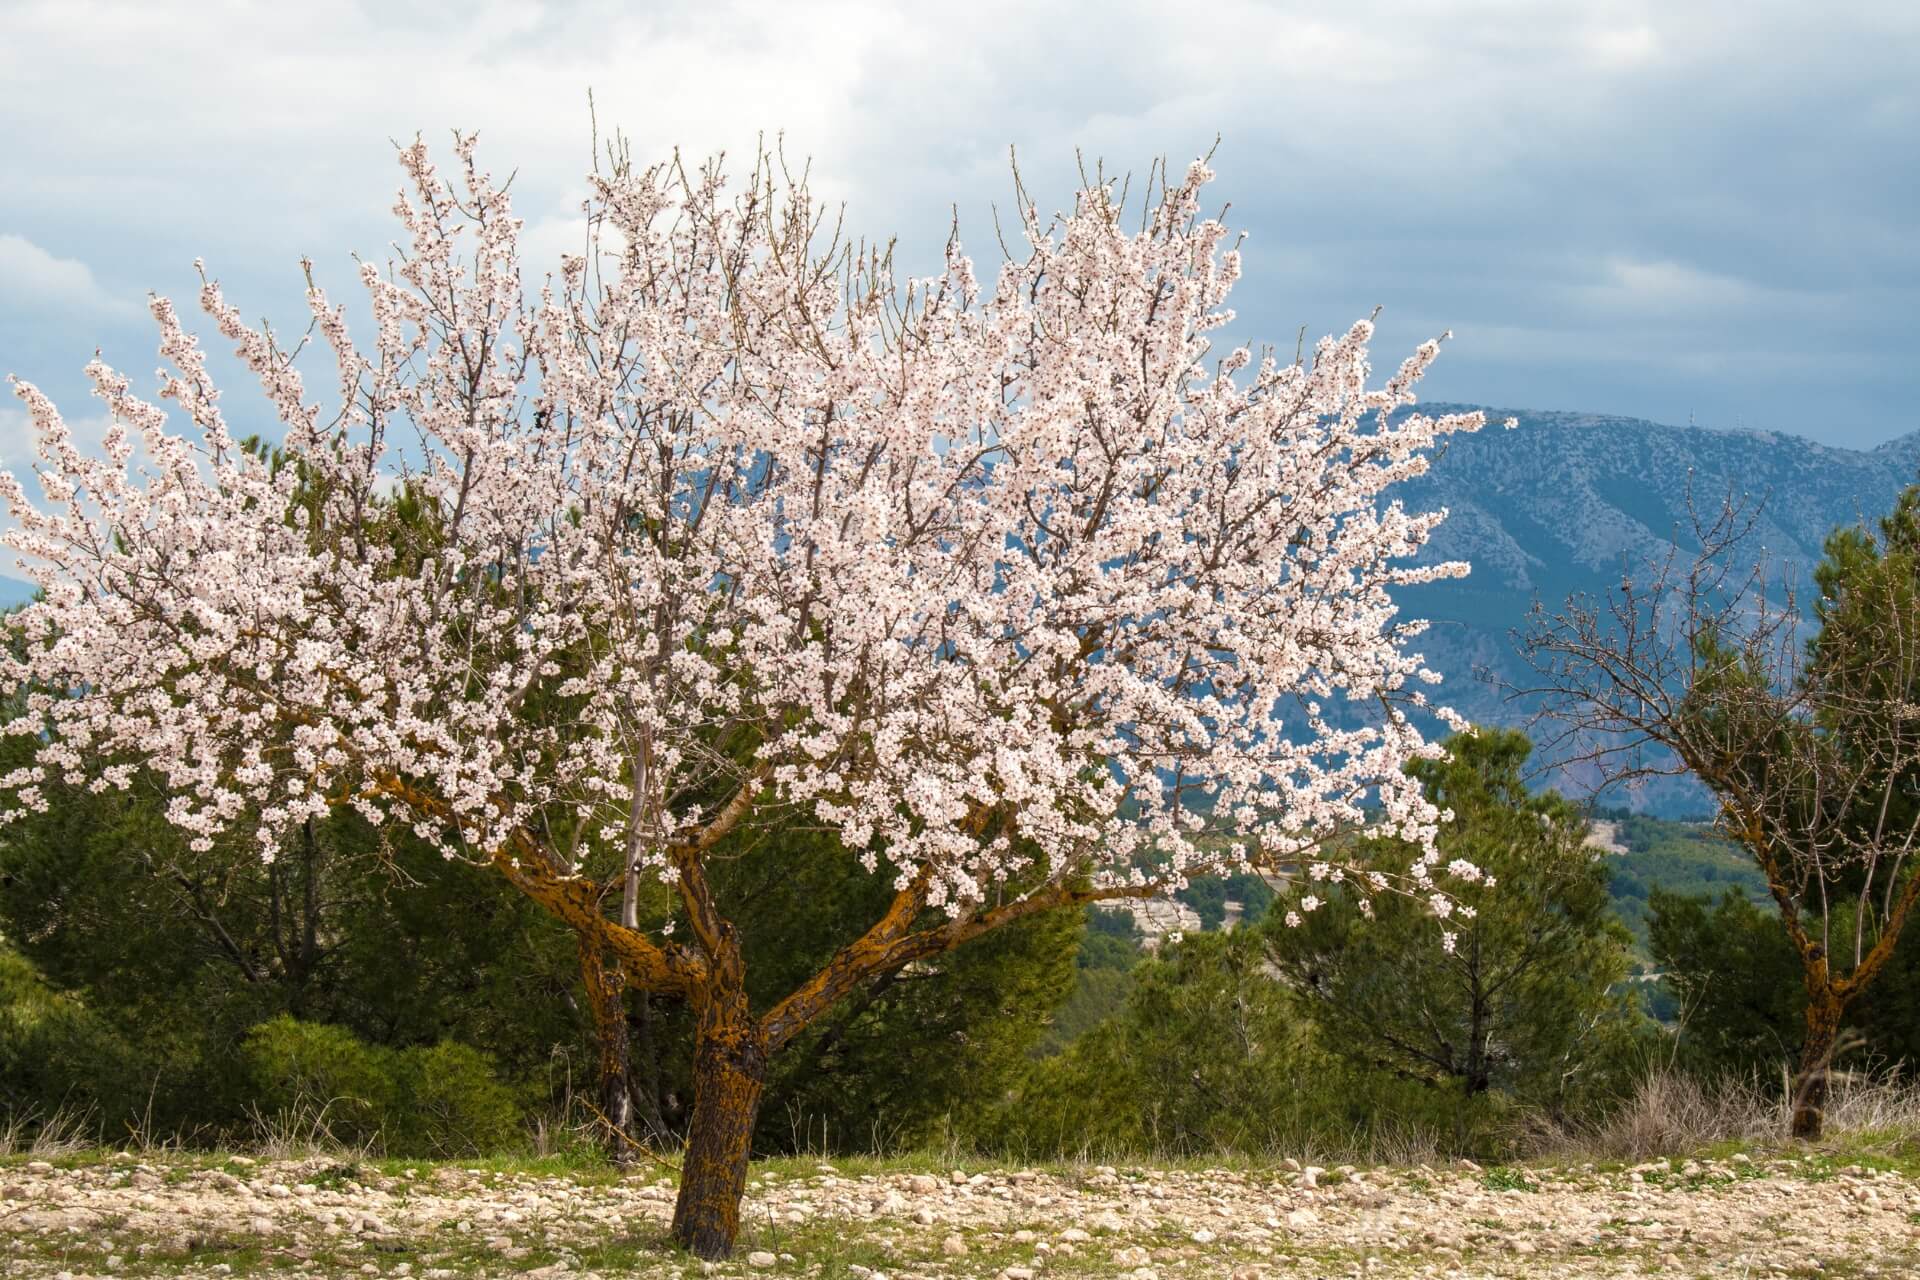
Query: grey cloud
point(1641, 208)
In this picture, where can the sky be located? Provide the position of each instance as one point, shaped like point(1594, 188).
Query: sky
point(1691, 210)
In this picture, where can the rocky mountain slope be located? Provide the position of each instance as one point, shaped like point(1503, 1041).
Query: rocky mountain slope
point(1565, 502)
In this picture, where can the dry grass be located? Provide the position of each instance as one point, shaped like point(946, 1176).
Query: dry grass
point(63, 1133)
point(1670, 1113)
point(299, 1132)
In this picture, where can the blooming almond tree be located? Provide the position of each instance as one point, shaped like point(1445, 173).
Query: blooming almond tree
point(1018, 588)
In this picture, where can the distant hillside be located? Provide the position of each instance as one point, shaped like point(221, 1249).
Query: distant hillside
point(1565, 501)
point(1677, 857)
point(15, 592)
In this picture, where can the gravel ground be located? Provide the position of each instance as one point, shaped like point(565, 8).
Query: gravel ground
point(1750, 1217)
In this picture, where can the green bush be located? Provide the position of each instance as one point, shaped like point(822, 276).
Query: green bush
point(1529, 1002)
point(455, 1104)
point(58, 1057)
point(1739, 998)
point(1209, 1053)
point(430, 1101)
point(310, 1068)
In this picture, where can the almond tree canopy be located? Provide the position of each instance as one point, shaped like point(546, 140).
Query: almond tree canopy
point(1019, 588)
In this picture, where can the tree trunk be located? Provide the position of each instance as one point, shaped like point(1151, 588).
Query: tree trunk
point(1816, 1057)
point(644, 1060)
point(606, 998)
point(729, 1075)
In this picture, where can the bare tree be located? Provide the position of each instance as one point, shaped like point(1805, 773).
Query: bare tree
point(1800, 721)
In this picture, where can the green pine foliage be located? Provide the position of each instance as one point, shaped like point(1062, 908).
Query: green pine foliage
point(432, 1101)
point(1531, 1001)
point(1739, 991)
point(1689, 859)
point(1204, 1055)
point(143, 974)
point(57, 1055)
point(177, 956)
point(1739, 1004)
point(906, 1058)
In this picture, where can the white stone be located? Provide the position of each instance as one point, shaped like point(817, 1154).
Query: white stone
point(954, 1246)
point(761, 1259)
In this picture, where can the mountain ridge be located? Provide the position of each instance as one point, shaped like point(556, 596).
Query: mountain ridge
point(1567, 502)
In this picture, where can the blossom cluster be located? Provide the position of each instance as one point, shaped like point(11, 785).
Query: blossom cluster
point(1017, 579)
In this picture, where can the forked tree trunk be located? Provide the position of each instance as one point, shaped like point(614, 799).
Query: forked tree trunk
point(1816, 1058)
point(606, 998)
point(729, 1076)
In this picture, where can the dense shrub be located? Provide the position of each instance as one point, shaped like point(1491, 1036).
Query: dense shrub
point(1740, 1004)
point(431, 1101)
point(321, 1071)
point(59, 1057)
point(453, 1103)
point(1529, 1000)
point(1211, 1054)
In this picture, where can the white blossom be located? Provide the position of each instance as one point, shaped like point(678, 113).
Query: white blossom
point(1013, 577)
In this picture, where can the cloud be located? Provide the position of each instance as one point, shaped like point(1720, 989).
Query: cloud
point(16, 441)
point(1628, 176)
point(1624, 46)
point(1658, 287)
point(34, 280)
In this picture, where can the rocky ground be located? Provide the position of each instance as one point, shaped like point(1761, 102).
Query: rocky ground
point(1742, 1216)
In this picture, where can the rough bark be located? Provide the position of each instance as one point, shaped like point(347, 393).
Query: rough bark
point(1816, 1057)
point(606, 986)
point(729, 1077)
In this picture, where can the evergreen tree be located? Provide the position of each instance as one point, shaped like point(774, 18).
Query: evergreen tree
point(179, 954)
point(1741, 1003)
point(1529, 999)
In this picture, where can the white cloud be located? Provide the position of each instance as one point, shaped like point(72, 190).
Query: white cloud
point(1623, 46)
point(35, 280)
point(1650, 287)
